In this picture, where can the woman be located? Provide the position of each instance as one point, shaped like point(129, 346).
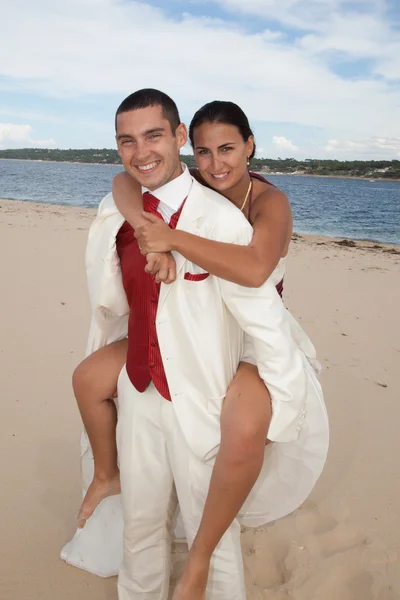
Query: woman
point(223, 145)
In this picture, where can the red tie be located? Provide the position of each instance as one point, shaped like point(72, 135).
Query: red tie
point(151, 203)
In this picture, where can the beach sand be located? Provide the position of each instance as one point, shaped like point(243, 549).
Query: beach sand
point(342, 544)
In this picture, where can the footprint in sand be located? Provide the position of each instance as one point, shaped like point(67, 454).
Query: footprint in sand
point(264, 560)
point(314, 556)
point(338, 583)
point(340, 539)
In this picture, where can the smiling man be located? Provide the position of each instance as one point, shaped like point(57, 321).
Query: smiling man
point(185, 341)
point(149, 139)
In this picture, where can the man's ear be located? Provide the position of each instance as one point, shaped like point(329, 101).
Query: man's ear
point(116, 141)
point(181, 135)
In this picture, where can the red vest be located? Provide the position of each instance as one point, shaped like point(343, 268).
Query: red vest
point(143, 361)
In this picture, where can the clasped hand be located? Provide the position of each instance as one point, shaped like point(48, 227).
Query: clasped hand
point(154, 235)
point(154, 242)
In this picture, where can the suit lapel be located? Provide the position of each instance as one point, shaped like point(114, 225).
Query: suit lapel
point(192, 211)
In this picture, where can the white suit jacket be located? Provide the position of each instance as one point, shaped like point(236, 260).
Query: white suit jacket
point(200, 324)
point(201, 327)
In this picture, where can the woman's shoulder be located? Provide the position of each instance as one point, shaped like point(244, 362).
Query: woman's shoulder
point(268, 202)
point(264, 190)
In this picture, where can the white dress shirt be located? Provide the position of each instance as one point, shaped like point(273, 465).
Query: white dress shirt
point(172, 194)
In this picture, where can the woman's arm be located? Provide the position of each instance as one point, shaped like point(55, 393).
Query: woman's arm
point(249, 265)
point(128, 198)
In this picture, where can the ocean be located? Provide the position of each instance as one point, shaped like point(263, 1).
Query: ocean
point(348, 208)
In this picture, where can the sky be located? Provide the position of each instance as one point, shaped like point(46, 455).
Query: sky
point(317, 78)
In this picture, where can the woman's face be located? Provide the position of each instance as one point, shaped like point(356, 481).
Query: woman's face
point(221, 154)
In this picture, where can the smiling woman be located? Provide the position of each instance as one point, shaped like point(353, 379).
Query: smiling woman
point(222, 139)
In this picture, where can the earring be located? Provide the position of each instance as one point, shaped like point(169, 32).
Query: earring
point(248, 161)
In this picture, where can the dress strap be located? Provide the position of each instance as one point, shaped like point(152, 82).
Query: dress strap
point(260, 178)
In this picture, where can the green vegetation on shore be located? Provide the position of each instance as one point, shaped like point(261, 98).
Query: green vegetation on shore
point(370, 169)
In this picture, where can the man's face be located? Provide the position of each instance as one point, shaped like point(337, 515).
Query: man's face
point(148, 149)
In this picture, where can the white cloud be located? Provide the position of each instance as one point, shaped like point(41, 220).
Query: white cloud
point(20, 136)
point(29, 115)
point(364, 149)
point(342, 29)
point(281, 143)
point(107, 48)
point(315, 16)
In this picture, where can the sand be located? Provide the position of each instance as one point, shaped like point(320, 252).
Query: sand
point(342, 544)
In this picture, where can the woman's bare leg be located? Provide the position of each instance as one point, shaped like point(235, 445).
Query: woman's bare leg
point(95, 383)
point(245, 419)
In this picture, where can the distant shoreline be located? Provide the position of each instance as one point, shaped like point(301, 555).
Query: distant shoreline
point(278, 174)
point(327, 176)
point(67, 162)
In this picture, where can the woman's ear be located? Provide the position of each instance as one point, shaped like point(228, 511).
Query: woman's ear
point(250, 146)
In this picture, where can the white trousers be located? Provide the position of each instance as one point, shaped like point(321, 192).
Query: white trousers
point(157, 470)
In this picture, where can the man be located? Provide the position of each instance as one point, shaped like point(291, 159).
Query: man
point(168, 432)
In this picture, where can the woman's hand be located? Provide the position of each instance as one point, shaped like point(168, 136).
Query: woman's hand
point(154, 235)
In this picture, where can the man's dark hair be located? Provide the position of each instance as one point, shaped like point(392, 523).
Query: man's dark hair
point(220, 111)
point(149, 97)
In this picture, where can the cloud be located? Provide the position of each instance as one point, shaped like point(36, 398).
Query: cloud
point(29, 115)
point(284, 144)
point(101, 50)
point(341, 30)
point(319, 15)
point(364, 149)
point(19, 136)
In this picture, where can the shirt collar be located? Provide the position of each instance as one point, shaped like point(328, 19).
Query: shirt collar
point(174, 192)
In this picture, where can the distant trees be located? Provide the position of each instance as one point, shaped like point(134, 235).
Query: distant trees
point(370, 169)
point(104, 155)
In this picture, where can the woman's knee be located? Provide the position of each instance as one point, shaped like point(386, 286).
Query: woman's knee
point(82, 377)
point(97, 375)
point(246, 413)
point(245, 438)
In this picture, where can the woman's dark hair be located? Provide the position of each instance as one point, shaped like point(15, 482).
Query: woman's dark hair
point(220, 111)
point(150, 97)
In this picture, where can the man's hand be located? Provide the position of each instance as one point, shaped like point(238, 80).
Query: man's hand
point(154, 235)
point(162, 265)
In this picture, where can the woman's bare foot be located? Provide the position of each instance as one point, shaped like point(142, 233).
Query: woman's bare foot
point(192, 585)
point(97, 491)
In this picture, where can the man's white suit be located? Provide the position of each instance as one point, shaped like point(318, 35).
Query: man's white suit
point(202, 328)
